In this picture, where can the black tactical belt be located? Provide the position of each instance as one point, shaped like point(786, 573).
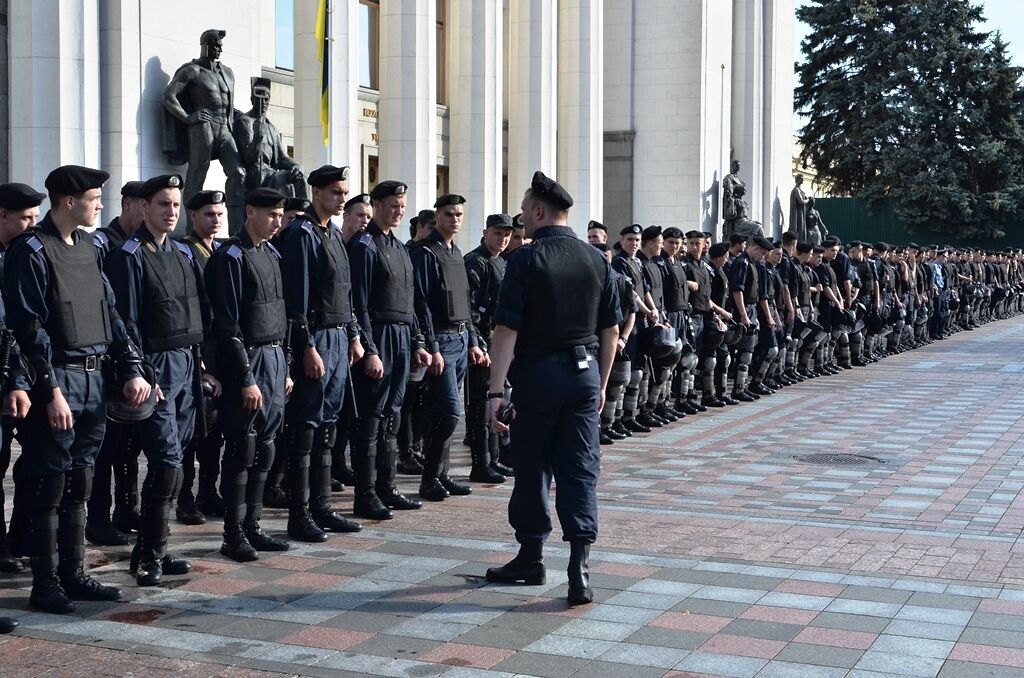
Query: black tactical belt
point(452, 329)
point(89, 363)
point(253, 347)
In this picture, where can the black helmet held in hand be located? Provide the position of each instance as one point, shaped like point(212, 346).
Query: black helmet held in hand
point(117, 409)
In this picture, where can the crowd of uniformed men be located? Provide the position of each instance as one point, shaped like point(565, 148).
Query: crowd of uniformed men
point(264, 358)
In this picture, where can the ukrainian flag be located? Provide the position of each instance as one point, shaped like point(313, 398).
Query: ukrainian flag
point(324, 54)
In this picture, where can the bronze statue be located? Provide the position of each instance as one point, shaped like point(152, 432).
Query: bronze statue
point(798, 210)
point(737, 219)
point(198, 119)
point(816, 231)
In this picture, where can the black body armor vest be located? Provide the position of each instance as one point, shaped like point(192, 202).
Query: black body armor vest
point(171, 317)
point(263, 318)
point(79, 315)
point(392, 284)
point(677, 294)
point(454, 286)
point(330, 302)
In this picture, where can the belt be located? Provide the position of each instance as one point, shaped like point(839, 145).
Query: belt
point(565, 355)
point(89, 363)
point(452, 329)
point(253, 347)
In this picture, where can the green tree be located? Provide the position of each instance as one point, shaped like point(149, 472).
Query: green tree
point(909, 100)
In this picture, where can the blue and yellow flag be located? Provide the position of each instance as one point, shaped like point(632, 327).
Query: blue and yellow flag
point(324, 54)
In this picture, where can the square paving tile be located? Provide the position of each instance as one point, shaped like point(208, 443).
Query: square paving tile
point(326, 638)
point(476, 656)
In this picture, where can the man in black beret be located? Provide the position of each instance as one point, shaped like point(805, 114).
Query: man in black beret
point(745, 289)
point(156, 283)
point(356, 216)
point(678, 312)
point(382, 297)
point(63, 317)
point(596, 232)
point(485, 269)
point(324, 342)
point(654, 379)
point(517, 239)
point(250, 327)
point(562, 328)
point(627, 264)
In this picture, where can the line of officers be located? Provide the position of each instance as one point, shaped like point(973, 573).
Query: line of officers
point(288, 342)
point(739, 320)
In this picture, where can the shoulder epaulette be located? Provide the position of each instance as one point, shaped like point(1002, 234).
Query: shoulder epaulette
point(307, 226)
point(235, 252)
point(184, 249)
point(131, 246)
point(35, 243)
point(366, 239)
point(100, 239)
point(274, 250)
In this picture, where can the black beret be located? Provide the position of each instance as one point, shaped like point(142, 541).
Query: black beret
point(204, 198)
point(596, 224)
point(74, 179)
point(159, 183)
point(632, 229)
point(132, 189)
point(854, 243)
point(672, 232)
point(296, 204)
point(386, 189)
point(830, 241)
point(737, 238)
point(327, 174)
point(517, 221)
point(880, 246)
point(818, 249)
point(763, 243)
point(708, 235)
point(899, 250)
point(449, 199)
point(362, 198)
point(550, 191)
point(651, 232)
point(499, 221)
point(415, 221)
point(804, 247)
point(719, 249)
point(776, 244)
point(19, 197)
point(789, 236)
point(427, 217)
point(266, 197)
point(693, 235)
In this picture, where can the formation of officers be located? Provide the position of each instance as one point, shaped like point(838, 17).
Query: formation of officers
point(266, 357)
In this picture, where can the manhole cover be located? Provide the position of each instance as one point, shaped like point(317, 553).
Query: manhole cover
point(832, 459)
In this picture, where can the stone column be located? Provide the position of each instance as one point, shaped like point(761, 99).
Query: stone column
point(533, 104)
point(475, 39)
point(779, 80)
point(581, 107)
point(748, 101)
point(55, 98)
point(343, 104)
point(121, 84)
point(408, 98)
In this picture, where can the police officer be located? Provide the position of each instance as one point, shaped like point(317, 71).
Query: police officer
point(619, 376)
point(250, 326)
point(325, 340)
point(745, 289)
point(558, 311)
point(597, 233)
point(118, 458)
point(158, 291)
point(485, 268)
point(678, 311)
point(382, 295)
point(721, 300)
point(627, 263)
point(207, 214)
point(656, 376)
point(63, 317)
point(443, 312)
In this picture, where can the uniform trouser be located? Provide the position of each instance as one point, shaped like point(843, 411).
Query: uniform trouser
point(414, 421)
point(117, 460)
point(206, 451)
point(444, 402)
point(723, 358)
point(631, 392)
point(249, 436)
point(555, 435)
point(764, 353)
point(478, 429)
point(163, 435)
point(55, 467)
point(618, 378)
point(378, 399)
point(744, 357)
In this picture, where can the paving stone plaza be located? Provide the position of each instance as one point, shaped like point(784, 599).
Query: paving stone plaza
point(729, 547)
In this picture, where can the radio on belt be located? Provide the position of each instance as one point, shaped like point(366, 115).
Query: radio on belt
point(582, 357)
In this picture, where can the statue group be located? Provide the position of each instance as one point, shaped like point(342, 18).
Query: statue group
point(804, 219)
point(201, 125)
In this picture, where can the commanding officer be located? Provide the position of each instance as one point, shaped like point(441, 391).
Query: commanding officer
point(208, 214)
point(485, 268)
point(382, 295)
point(119, 454)
point(325, 341)
point(558, 309)
point(249, 326)
point(157, 289)
point(443, 312)
point(63, 317)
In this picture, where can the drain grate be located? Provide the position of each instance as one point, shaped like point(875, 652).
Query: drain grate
point(834, 459)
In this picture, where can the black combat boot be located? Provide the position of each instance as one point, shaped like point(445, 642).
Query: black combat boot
point(299, 444)
point(366, 503)
point(323, 515)
point(42, 497)
point(479, 454)
point(238, 457)
point(580, 592)
point(527, 567)
point(76, 583)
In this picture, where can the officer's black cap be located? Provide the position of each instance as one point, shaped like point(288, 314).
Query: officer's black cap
point(499, 221)
point(830, 241)
point(719, 249)
point(18, 197)
point(672, 232)
point(693, 235)
point(386, 189)
point(74, 179)
point(632, 229)
point(427, 217)
point(651, 232)
point(132, 189)
point(296, 205)
point(818, 249)
point(763, 243)
point(737, 238)
point(266, 197)
point(596, 224)
point(550, 191)
point(327, 174)
point(804, 247)
point(204, 198)
point(362, 198)
point(449, 199)
point(880, 246)
point(159, 183)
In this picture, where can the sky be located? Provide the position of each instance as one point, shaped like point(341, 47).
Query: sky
point(1006, 16)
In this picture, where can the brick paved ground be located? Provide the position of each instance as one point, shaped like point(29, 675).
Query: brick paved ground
point(723, 553)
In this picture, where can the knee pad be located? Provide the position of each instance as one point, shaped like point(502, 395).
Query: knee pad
point(240, 454)
point(688, 362)
point(771, 353)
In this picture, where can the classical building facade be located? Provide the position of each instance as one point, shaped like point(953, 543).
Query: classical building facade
point(636, 106)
